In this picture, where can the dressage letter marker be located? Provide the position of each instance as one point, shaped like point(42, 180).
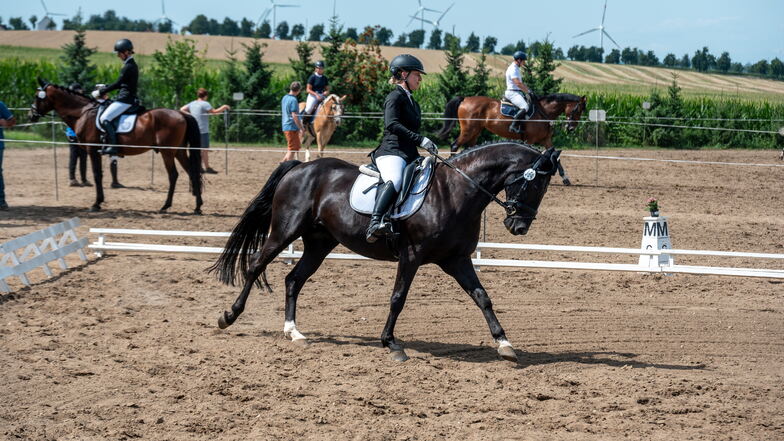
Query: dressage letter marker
point(655, 235)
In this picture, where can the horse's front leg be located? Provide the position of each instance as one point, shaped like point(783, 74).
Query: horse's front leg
point(406, 270)
point(97, 166)
point(171, 171)
point(463, 271)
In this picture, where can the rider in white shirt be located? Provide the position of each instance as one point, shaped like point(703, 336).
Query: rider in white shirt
point(515, 90)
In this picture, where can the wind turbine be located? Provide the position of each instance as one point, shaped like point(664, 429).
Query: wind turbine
point(273, 9)
point(436, 23)
point(164, 18)
point(421, 12)
point(47, 16)
point(601, 30)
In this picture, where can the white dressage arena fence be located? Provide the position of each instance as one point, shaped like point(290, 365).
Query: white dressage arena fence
point(655, 253)
point(38, 249)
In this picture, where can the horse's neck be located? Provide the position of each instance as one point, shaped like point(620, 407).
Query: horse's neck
point(552, 109)
point(72, 111)
point(493, 164)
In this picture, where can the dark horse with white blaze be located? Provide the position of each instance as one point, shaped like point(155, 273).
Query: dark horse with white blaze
point(475, 113)
point(156, 127)
point(310, 200)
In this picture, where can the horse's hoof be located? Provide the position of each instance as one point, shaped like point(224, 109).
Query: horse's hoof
point(507, 353)
point(95, 208)
point(567, 182)
point(197, 212)
point(399, 355)
point(301, 342)
point(163, 210)
point(222, 322)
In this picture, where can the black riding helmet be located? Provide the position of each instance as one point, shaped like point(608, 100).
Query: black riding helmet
point(405, 62)
point(123, 45)
point(520, 55)
point(319, 63)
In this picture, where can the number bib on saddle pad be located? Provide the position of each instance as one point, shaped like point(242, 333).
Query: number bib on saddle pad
point(363, 192)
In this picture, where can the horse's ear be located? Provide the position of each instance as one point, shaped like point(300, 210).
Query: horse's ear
point(41, 82)
point(343, 98)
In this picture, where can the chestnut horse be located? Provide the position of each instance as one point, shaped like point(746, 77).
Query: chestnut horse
point(480, 112)
point(325, 121)
point(310, 200)
point(156, 127)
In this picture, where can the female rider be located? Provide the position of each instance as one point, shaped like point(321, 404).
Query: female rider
point(402, 119)
point(127, 84)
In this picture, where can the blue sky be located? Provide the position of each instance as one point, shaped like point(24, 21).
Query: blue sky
point(749, 30)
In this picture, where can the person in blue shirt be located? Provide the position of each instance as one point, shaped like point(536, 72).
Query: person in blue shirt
point(6, 120)
point(290, 122)
point(77, 154)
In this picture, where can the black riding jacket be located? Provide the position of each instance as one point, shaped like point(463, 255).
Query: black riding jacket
point(402, 119)
point(127, 83)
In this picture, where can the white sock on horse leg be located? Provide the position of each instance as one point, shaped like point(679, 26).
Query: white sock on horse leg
point(290, 330)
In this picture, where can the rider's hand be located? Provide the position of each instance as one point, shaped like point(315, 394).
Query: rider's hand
point(429, 145)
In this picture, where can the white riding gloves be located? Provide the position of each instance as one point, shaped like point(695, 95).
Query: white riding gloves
point(429, 145)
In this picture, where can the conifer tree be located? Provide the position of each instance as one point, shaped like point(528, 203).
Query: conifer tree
point(76, 67)
point(257, 92)
point(303, 65)
point(452, 81)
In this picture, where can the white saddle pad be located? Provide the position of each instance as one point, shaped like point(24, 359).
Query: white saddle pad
point(362, 200)
point(126, 123)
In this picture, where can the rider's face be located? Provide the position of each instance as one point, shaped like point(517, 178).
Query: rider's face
point(123, 55)
point(413, 80)
point(320, 70)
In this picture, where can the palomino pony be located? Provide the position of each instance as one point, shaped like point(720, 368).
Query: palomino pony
point(480, 112)
point(156, 127)
point(326, 120)
point(310, 200)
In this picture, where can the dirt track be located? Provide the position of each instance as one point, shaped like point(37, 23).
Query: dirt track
point(127, 346)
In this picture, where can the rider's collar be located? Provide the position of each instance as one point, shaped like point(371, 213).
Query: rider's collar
point(128, 59)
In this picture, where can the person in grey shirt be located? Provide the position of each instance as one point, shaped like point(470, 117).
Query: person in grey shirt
point(201, 110)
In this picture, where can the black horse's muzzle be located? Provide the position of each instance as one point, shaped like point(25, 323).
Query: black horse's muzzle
point(517, 225)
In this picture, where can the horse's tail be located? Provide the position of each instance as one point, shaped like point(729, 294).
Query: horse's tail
point(193, 136)
point(251, 230)
point(450, 117)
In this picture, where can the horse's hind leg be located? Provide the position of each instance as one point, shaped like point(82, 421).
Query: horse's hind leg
point(564, 177)
point(256, 266)
point(171, 171)
point(317, 246)
point(182, 158)
point(463, 271)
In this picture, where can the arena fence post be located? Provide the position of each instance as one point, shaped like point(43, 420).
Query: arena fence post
point(54, 153)
point(226, 141)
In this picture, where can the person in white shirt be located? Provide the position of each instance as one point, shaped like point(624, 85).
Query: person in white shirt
point(515, 90)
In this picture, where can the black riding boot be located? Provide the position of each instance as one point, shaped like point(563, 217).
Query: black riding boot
point(385, 196)
point(517, 124)
point(113, 169)
point(110, 138)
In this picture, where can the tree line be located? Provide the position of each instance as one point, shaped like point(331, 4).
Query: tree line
point(702, 60)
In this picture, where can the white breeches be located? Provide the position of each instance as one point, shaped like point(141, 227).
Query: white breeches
point(114, 110)
point(391, 169)
point(311, 103)
point(517, 98)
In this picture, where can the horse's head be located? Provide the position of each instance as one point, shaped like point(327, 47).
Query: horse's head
point(43, 103)
point(524, 191)
point(336, 107)
point(574, 111)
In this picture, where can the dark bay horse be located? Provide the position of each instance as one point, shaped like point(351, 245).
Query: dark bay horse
point(476, 113)
point(310, 200)
point(156, 127)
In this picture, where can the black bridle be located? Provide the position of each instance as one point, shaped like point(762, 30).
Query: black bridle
point(574, 110)
point(511, 206)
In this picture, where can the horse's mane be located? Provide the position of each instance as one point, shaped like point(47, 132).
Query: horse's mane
point(72, 92)
point(469, 150)
point(562, 97)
